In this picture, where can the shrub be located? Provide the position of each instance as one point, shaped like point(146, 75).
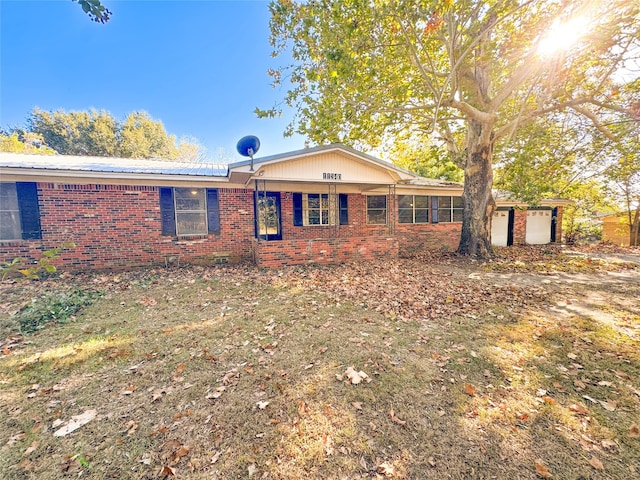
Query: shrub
point(42, 267)
point(53, 308)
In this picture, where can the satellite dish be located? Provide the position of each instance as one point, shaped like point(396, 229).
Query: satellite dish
point(248, 146)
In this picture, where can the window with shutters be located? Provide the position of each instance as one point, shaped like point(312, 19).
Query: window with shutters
point(310, 209)
point(189, 211)
point(19, 211)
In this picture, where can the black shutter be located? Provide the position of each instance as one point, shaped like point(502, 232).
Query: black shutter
point(213, 210)
point(344, 209)
point(434, 209)
point(297, 209)
point(29, 210)
point(167, 211)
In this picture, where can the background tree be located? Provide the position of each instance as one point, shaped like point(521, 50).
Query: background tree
point(470, 73)
point(143, 137)
point(98, 133)
point(30, 143)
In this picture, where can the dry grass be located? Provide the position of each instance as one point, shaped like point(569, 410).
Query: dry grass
point(180, 365)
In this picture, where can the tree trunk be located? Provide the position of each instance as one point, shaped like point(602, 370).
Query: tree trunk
point(479, 205)
point(634, 229)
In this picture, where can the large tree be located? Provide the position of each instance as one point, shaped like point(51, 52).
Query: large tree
point(468, 73)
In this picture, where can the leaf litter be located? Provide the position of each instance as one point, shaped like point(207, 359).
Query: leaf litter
point(252, 332)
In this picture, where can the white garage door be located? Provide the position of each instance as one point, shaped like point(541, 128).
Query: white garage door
point(538, 227)
point(500, 228)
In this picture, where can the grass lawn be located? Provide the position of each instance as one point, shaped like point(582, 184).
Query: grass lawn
point(526, 367)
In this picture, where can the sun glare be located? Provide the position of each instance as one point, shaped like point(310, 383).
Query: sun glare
point(561, 36)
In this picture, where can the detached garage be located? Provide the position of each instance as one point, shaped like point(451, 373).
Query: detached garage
point(519, 224)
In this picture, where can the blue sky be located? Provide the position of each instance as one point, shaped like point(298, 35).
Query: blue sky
point(199, 66)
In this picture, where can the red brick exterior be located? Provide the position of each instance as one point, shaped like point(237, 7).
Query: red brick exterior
point(119, 226)
point(324, 250)
point(439, 237)
point(519, 226)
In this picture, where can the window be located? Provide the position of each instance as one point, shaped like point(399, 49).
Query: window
point(10, 226)
point(19, 211)
point(189, 211)
point(377, 209)
point(316, 211)
point(413, 209)
point(320, 209)
point(449, 209)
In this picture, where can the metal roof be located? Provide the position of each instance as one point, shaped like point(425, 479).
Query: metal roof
point(111, 165)
point(431, 182)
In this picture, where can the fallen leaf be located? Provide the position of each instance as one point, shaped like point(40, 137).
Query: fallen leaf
point(634, 431)
point(609, 405)
point(385, 469)
point(129, 390)
point(357, 405)
point(356, 377)
point(549, 400)
point(167, 471)
point(578, 408)
point(469, 390)
point(595, 463)
point(541, 469)
point(31, 449)
point(75, 423)
point(608, 444)
point(395, 419)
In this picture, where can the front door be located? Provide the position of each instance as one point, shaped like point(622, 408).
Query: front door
point(267, 211)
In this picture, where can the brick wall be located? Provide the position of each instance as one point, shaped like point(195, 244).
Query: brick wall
point(519, 226)
point(439, 237)
point(117, 226)
point(323, 250)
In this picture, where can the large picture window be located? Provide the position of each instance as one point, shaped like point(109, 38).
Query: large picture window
point(413, 209)
point(450, 209)
point(377, 209)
